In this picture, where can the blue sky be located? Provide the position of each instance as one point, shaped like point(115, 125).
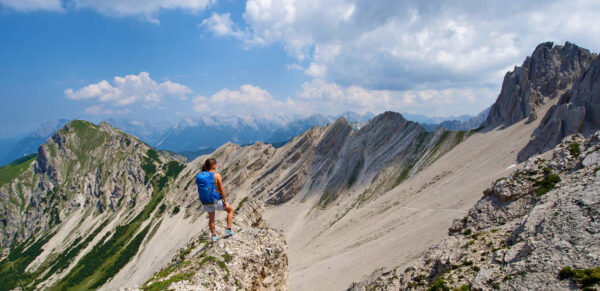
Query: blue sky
point(162, 60)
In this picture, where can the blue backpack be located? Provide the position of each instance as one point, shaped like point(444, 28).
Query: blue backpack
point(207, 192)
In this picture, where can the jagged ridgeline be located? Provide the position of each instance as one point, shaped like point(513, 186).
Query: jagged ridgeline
point(77, 212)
point(332, 162)
point(94, 199)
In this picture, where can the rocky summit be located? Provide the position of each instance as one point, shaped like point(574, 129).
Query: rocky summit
point(254, 258)
point(544, 75)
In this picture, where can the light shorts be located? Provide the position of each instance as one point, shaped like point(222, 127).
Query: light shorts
point(211, 207)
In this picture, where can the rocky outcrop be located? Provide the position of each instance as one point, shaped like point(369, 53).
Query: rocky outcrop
point(550, 70)
point(577, 111)
point(254, 258)
point(525, 231)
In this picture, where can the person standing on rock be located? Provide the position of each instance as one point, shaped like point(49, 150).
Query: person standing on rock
point(212, 195)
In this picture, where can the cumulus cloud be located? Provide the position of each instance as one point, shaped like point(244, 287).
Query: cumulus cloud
point(408, 45)
point(146, 8)
point(33, 5)
point(330, 98)
point(128, 90)
point(320, 96)
point(222, 25)
point(248, 99)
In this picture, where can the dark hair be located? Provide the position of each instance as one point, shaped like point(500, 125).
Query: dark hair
point(208, 164)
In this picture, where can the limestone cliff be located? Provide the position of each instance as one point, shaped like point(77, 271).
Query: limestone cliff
point(549, 71)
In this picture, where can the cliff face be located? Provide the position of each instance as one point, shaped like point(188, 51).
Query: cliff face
point(526, 230)
point(550, 70)
point(577, 111)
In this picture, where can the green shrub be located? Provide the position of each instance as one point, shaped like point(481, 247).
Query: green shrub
point(161, 182)
point(175, 210)
point(439, 284)
point(149, 169)
point(153, 154)
point(584, 278)
point(546, 184)
point(574, 150)
point(174, 168)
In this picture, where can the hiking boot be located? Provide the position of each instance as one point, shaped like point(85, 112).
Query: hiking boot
point(215, 238)
point(229, 232)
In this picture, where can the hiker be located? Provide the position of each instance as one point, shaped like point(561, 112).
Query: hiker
point(213, 197)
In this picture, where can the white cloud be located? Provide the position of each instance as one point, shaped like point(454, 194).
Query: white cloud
point(222, 25)
point(409, 45)
point(145, 8)
point(248, 99)
point(128, 90)
point(33, 5)
point(320, 96)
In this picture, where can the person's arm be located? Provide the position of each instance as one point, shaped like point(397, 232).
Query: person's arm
point(220, 187)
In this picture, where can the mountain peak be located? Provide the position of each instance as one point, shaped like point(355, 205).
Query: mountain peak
point(547, 72)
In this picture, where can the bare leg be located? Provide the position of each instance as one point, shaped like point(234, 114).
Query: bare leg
point(211, 222)
point(229, 210)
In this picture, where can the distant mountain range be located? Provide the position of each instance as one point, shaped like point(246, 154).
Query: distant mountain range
point(194, 136)
point(461, 123)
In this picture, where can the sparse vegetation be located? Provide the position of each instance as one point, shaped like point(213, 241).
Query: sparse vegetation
point(241, 203)
point(153, 154)
point(356, 170)
point(162, 285)
point(173, 168)
point(575, 150)
point(89, 138)
point(12, 268)
point(584, 278)
point(227, 257)
point(439, 284)
point(324, 200)
point(546, 183)
point(96, 267)
point(15, 168)
point(123, 258)
point(403, 175)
